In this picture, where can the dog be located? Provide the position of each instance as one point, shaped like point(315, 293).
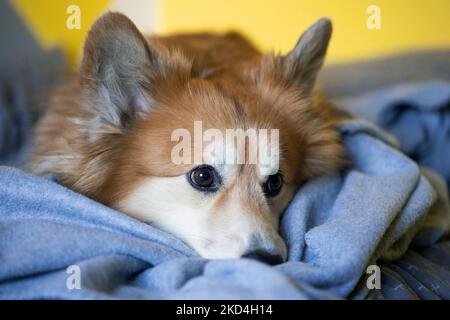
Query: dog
point(107, 132)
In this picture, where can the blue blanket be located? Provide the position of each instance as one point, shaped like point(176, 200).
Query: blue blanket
point(335, 227)
point(418, 114)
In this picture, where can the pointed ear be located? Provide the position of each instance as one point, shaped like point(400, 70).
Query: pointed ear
point(305, 60)
point(115, 70)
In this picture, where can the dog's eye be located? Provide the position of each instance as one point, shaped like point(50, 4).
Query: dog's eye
point(273, 185)
point(204, 178)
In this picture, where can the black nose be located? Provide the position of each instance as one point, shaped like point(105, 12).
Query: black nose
point(264, 257)
point(271, 250)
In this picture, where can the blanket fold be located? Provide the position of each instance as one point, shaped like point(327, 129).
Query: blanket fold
point(417, 114)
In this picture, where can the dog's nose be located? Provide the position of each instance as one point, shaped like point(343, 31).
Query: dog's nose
point(266, 250)
point(264, 257)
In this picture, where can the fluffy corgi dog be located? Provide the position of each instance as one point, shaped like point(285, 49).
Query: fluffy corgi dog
point(108, 132)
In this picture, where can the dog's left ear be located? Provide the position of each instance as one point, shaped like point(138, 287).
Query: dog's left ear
point(116, 69)
point(303, 63)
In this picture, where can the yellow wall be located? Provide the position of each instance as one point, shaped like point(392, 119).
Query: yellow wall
point(405, 24)
point(272, 24)
point(47, 20)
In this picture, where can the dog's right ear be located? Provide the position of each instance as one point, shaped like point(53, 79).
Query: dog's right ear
point(305, 60)
point(116, 70)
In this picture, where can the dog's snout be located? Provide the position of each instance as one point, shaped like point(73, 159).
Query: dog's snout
point(266, 250)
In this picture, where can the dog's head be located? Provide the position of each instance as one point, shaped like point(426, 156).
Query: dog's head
point(148, 160)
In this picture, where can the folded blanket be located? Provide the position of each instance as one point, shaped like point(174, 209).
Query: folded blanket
point(418, 114)
point(335, 227)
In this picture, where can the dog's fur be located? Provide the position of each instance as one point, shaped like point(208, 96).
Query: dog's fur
point(107, 133)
